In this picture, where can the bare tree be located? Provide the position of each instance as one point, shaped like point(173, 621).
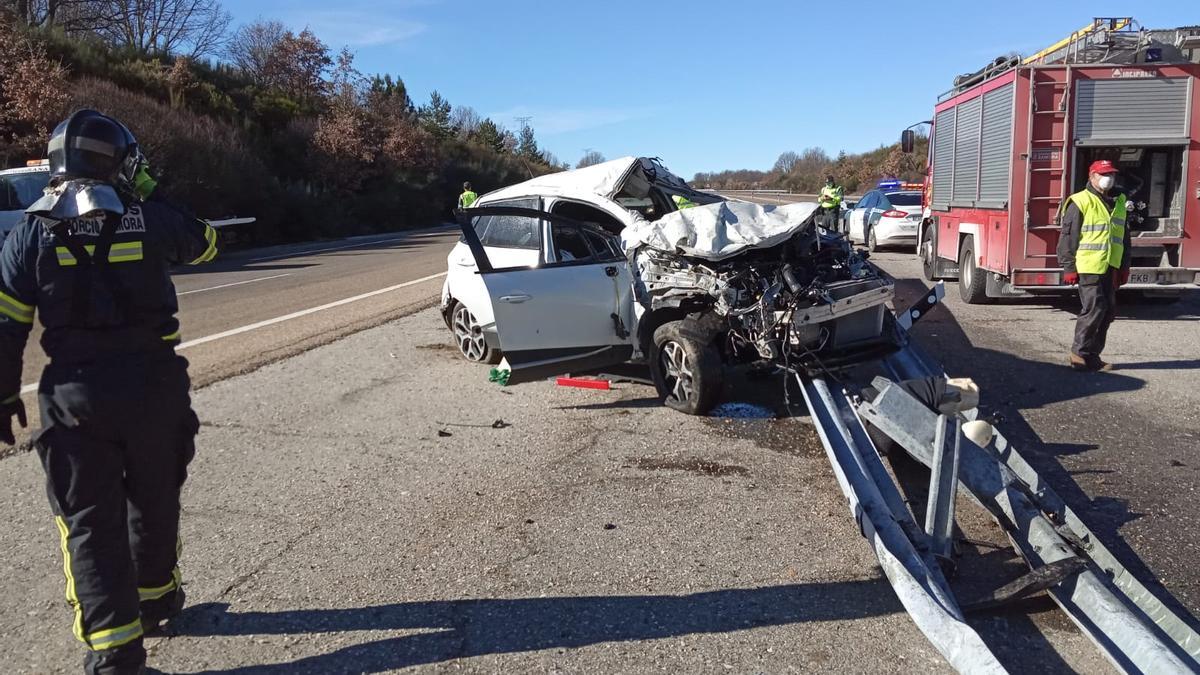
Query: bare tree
point(189, 27)
point(72, 16)
point(589, 158)
point(465, 121)
point(251, 46)
point(298, 64)
point(786, 162)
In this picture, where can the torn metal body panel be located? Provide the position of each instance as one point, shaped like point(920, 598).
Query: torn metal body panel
point(783, 289)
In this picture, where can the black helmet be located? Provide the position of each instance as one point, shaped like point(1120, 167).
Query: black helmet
point(89, 144)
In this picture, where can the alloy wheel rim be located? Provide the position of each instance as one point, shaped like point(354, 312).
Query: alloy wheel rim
point(677, 371)
point(468, 334)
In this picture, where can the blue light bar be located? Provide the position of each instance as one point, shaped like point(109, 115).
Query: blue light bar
point(891, 184)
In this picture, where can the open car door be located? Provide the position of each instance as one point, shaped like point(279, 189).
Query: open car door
point(571, 313)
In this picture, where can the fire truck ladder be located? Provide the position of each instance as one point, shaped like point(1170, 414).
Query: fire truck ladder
point(1086, 45)
point(1133, 628)
point(1056, 150)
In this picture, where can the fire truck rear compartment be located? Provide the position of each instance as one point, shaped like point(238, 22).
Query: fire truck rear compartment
point(1153, 177)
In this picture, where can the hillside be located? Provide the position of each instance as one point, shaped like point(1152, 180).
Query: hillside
point(270, 123)
point(805, 172)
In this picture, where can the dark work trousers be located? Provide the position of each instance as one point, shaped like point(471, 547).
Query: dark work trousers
point(115, 443)
point(1098, 294)
point(830, 218)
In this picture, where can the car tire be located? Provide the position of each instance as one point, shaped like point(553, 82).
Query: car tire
point(468, 337)
point(872, 245)
point(972, 282)
point(686, 367)
point(928, 254)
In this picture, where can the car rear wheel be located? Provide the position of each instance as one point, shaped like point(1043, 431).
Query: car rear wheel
point(686, 367)
point(972, 281)
point(468, 337)
point(872, 244)
point(928, 255)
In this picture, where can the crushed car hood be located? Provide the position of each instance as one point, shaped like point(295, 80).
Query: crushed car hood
point(719, 231)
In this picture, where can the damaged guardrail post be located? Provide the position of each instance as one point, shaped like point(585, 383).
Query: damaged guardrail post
point(1132, 639)
point(943, 487)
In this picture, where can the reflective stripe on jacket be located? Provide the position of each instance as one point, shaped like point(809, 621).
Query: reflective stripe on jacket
point(1101, 233)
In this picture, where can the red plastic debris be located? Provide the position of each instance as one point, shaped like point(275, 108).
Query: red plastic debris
point(584, 383)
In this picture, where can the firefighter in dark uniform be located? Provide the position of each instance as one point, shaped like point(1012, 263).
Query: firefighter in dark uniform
point(92, 257)
point(1094, 251)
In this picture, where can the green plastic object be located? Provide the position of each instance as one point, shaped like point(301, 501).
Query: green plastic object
point(499, 376)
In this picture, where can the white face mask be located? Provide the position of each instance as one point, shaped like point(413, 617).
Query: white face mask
point(1105, 182)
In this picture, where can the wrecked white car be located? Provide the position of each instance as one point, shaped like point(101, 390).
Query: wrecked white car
point(689, 292)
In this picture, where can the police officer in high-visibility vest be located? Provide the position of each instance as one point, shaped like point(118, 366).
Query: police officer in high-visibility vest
point(468, 197)
point(830, 202)
point(682, 202)
point(1093, 250)
point(92, 259)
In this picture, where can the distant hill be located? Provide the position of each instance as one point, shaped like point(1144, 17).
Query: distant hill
point(805, 172)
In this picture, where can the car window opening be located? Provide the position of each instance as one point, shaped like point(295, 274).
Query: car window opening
point(19, 191)
point(511, 231)
point(588, 214)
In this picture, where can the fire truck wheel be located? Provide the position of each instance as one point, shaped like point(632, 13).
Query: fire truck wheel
point(972, 281)
point(928, 253)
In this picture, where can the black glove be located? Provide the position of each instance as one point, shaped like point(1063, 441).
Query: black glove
point(14, 406)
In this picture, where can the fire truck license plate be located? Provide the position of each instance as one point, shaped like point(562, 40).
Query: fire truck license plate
point(1143, 278)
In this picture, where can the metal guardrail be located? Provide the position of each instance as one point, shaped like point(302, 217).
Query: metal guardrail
point(1131, 626)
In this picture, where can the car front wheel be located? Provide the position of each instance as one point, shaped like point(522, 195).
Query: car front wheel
point(686, 367)
point(468, 337)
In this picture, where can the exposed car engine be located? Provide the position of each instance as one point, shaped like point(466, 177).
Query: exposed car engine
point(810, 302)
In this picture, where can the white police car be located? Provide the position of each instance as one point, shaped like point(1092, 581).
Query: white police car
point(886, 216)
point(19, 188)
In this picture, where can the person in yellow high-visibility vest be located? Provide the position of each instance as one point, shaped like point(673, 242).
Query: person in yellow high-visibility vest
point(468, 197)
point(830, 202)
point(682, 202)
point(1093, 250)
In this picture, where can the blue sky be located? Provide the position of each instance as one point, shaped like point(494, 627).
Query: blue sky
point(705, 85)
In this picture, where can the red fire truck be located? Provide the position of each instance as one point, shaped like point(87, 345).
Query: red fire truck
point(1012, 141)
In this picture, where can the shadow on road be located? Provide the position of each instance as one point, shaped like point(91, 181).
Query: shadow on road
point(1010, 385)
point(467, 628)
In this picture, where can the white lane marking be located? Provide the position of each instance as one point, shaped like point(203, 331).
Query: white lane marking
point(305, 312)
point(236, 283)
point(286, 317)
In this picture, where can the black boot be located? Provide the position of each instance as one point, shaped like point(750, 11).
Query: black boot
point(154, 612)
point(128, 659)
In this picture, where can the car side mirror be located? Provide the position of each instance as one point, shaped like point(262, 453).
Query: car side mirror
point(908, 141)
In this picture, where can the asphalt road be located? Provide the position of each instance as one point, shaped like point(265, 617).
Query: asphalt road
point(376, 504)
point(352, 508)
point(253, 307)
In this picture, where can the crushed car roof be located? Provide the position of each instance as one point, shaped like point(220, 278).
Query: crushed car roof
point(603, 179)
point(719, 231)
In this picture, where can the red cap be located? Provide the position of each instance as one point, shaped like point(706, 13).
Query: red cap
point(1102, 166)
